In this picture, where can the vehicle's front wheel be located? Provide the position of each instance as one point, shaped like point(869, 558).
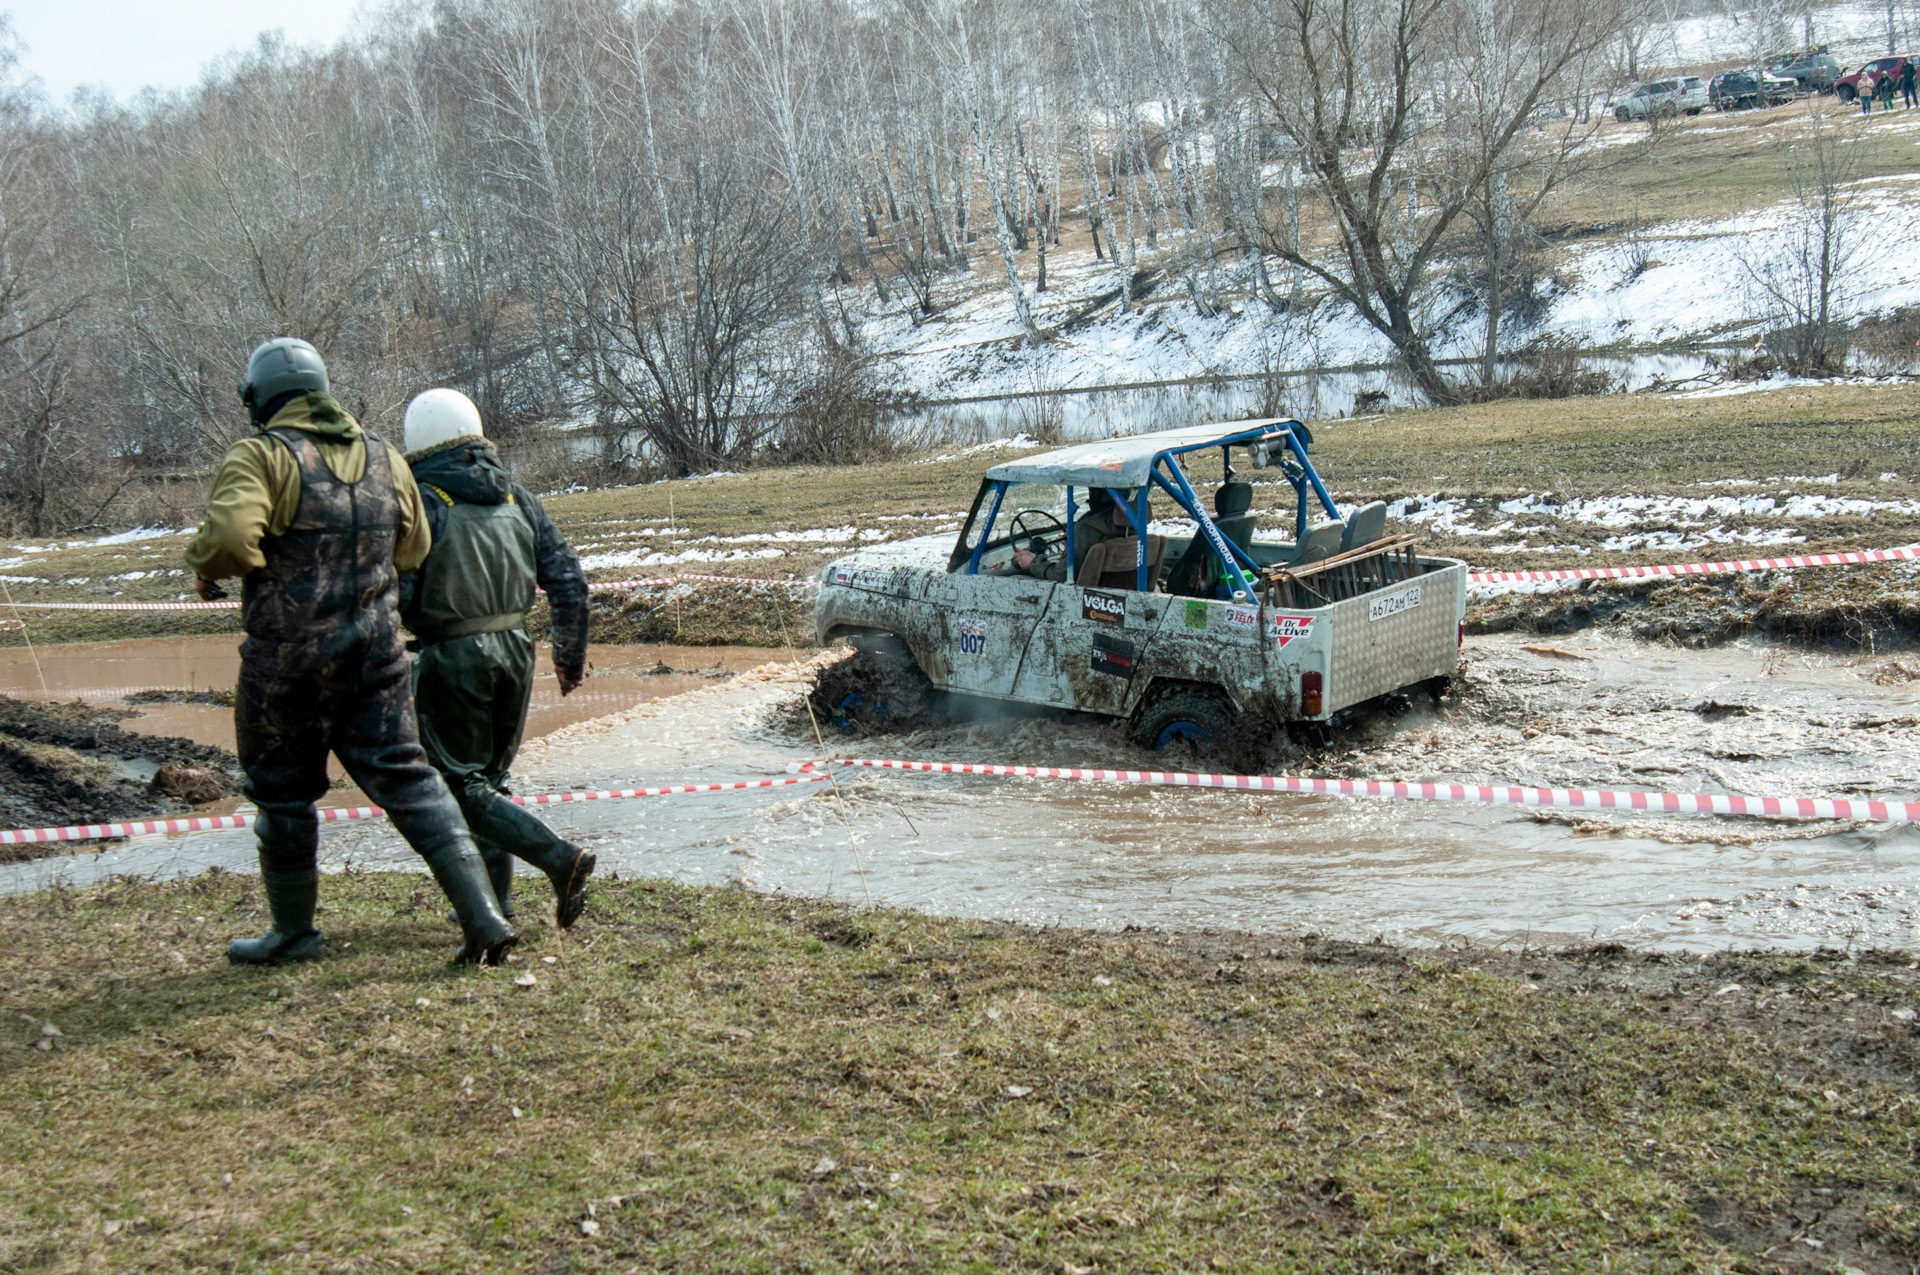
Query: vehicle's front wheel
point(1845, 93)
point(1185, 719)
point(877, 690)
point(1622, 114)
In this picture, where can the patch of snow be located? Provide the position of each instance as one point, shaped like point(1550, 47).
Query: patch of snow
point(642, 558)
point(129, 537)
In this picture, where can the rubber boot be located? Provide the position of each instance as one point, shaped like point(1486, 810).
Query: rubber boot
point(568, 866)
point(499, 872)
point(291, 898)
point(457, 866)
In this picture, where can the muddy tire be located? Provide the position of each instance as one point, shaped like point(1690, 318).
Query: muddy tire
point(879, 690)
point(1185, 719)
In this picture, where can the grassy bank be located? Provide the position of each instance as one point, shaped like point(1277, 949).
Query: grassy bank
point(718, 1081)
point(787, 523)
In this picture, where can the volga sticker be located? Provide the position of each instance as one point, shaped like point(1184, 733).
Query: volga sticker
point(973, 637)
point(1244, 617)
point(1386, 604)
point(1112, 655)
point(1286, 628)
point(1196, 615)
point(1104, 608)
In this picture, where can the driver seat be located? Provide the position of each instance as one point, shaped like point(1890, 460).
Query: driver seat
point(1114, 564)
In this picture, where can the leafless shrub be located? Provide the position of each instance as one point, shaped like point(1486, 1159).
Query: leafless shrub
point(1800, 277)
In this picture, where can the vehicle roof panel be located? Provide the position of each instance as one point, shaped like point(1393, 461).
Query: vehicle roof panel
point(1125, 462)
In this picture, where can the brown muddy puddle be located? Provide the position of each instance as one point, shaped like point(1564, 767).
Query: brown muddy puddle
point(1590, 711)
point(106, 673)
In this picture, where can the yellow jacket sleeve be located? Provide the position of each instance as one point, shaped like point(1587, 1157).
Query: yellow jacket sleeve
point(255, 494)
point(414, 536)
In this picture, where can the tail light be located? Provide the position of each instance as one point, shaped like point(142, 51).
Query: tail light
point(1312, 696)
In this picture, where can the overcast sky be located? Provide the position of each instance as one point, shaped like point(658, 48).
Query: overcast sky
point(126, 45)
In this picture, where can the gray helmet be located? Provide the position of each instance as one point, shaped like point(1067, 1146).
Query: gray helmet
point(282, 365)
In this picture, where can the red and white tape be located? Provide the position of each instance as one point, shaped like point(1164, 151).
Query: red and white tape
point(344, 814)
point(1483, 794)
point(1904, 552)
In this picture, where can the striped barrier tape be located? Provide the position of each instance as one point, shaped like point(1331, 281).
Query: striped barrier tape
point(1484, 794)
point(344, 814)
point(1904, 552)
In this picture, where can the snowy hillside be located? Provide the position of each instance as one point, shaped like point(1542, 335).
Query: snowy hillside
point(1683, 281)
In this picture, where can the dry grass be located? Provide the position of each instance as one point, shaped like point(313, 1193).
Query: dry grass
point(712, 1080)
point(1719, 165)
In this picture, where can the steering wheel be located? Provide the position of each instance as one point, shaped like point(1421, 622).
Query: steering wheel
point(1017, 529)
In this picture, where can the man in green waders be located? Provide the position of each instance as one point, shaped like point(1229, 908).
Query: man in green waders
point(492, 543)
point(318, 520)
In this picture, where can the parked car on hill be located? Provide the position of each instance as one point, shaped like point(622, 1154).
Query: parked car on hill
point(1742, 90)
point(1665, 98)
point(1813, 72)
point(1851, 85)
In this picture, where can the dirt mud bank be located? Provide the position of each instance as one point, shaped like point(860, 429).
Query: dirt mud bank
point(63, 763)
point(1872, 609)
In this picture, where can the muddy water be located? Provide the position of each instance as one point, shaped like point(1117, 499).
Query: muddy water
point(1587, 712)
point(619, 677)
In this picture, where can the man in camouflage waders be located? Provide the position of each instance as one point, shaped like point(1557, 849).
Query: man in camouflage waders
point(317, 519)
point(492, 543)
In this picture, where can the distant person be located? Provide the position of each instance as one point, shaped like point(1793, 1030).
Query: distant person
point(1908, 98)
point(317, 521)
point(492, 543)
point(1867, 90)
point(1886, 91)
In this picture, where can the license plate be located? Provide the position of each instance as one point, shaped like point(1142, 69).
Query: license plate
point(1386, 604)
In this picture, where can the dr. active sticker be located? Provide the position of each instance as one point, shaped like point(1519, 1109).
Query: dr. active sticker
point(1286, 628)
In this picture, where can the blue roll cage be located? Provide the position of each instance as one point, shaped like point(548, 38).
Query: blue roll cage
point(1165, 473)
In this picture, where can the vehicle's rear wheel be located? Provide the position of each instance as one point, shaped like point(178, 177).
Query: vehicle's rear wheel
point(1185, 719)
point(1622, 114)
point(1694, 110)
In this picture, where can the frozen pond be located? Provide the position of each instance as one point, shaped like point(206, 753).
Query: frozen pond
point(1591, 711)
point(1309, 396)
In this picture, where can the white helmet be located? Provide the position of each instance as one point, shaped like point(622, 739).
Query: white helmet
point(439, 416)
